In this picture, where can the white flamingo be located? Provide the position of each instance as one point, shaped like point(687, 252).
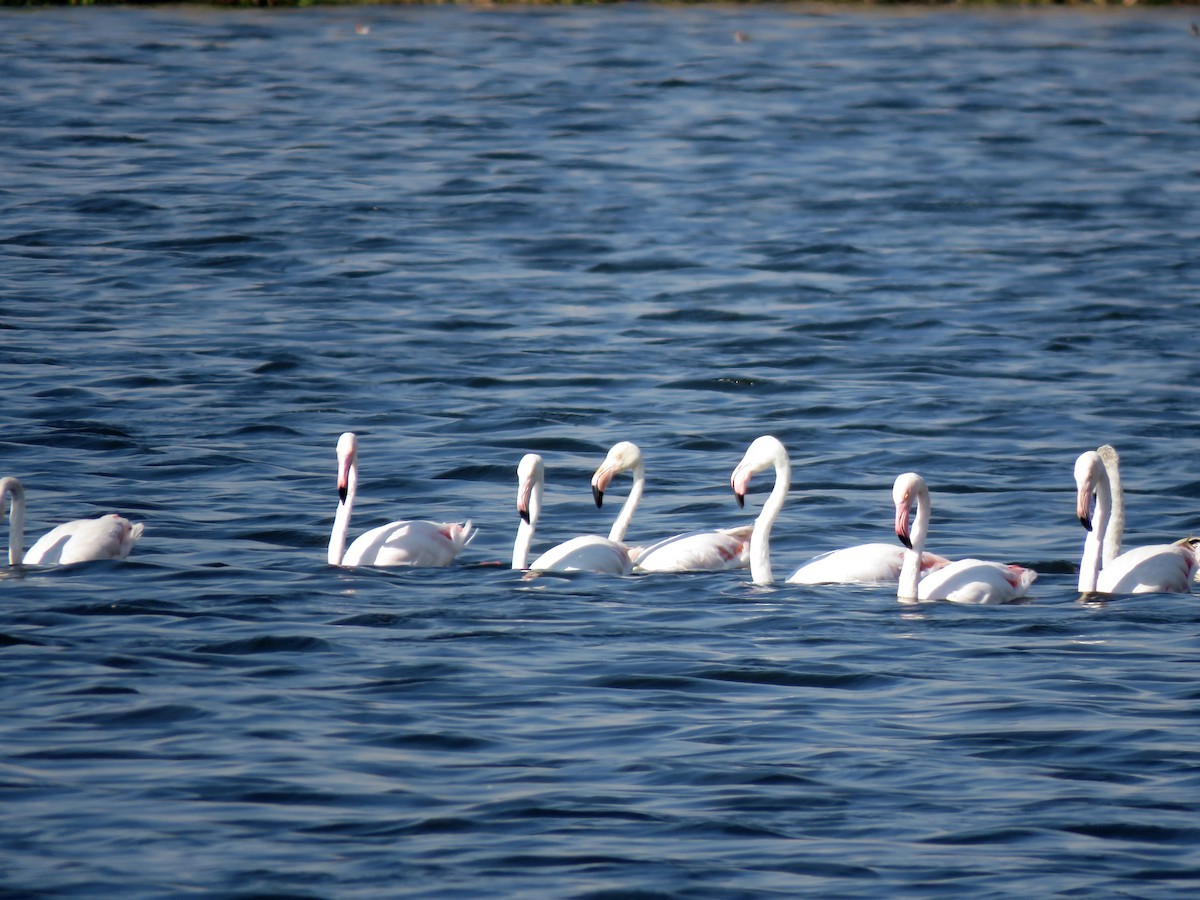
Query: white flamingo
point(871, 563)
point(587, 553)
point(105, 537)
point(962, 581)
point(400, 543)
point(693, 551)
point(1158, 568)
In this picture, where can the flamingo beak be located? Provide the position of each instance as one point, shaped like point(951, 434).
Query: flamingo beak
point(740, 482)
point(1083, 506)
point(523, 500)
point(343, 477)
point(902, 510)
point(600, 481)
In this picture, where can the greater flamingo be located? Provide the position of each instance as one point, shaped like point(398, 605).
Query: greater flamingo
point(962, 581)
point(587, 553)
point(693, 551)
point(105, 537)
point(400, 543)
point(1158, 568)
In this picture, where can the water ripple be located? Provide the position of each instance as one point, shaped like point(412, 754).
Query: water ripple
point(963, 244)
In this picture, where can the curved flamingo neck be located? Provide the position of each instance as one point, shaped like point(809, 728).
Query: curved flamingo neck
point(621, 525)
point(526, 530)
point(1093, 544)
point(910, 569)
point(760, 537)
point(1115, 532)
point(341, 521)
point(12, 489)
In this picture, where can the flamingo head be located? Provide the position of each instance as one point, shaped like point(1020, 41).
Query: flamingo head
point(623, 457)
point(760, 455)
point(530, 472)
point(905, 492)
point(347, 456)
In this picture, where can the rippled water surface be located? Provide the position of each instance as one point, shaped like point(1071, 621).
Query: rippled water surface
point(963, 243)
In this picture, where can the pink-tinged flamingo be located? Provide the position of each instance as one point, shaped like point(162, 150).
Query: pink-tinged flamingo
point(105, 537)
point(400, 543)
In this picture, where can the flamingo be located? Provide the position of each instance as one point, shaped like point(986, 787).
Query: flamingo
point(105, 537)
point(962, 581)
point(871, 563)
point(693, 551)
point(1158, 568)
point(400, 543)
point(588, 553)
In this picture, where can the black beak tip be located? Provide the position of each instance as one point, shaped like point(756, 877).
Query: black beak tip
point(598, 496)
point(524, 515)
point(342, 494)
point(904, 539)
point(1085, 522)
point(741, 499)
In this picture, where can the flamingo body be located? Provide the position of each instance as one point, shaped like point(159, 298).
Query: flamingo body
point(874, 563)
point(410, 543)
point(1153, 569)
point(697, 551)
point(106, 537)
point(586, 553)
point(400, 543)
point(976, 581)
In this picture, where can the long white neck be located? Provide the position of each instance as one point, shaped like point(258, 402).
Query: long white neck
point(525, 530)
point(621, 525)
point(760, 538)
point(910, 570)
point(11, 488)
point(1089, 563)
point(341, 521)
point(1115, 532)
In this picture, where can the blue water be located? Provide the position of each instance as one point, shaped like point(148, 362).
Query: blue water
point(963, 243)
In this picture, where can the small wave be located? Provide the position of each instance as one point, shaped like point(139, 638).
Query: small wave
point(267, 644)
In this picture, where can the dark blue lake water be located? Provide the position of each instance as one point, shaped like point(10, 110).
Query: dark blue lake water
point(962, 243)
